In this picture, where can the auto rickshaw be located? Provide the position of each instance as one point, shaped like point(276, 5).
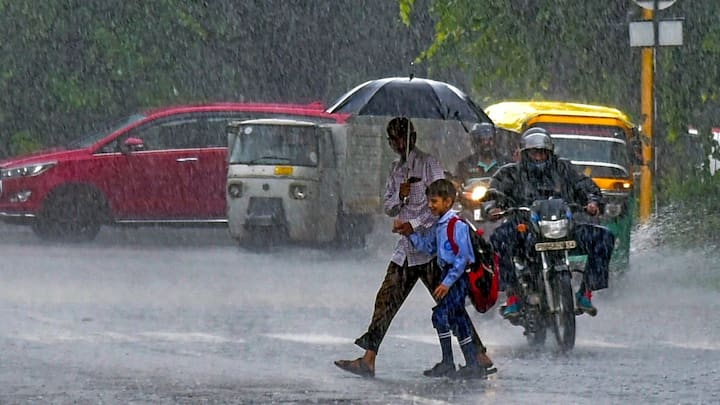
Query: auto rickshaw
point(600, 141)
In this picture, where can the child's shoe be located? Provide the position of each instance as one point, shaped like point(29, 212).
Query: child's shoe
point(440, 370)
point(584, 302)
point(473, 372)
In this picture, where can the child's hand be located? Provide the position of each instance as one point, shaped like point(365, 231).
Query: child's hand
point(440, 292)
point(403, 228)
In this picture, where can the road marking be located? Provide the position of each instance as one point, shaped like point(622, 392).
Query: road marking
point(188, 337)
point(422, 400)
point(600, 343)
point(429, 339)
point(57, 336)
point(692, 345)
point(310, 338)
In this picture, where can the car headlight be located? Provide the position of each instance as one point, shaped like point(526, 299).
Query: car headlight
point(26, 171)
point(554, 229)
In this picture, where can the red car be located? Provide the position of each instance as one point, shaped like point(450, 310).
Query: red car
point(163, 166)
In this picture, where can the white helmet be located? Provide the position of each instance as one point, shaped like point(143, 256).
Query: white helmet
point(536, 138)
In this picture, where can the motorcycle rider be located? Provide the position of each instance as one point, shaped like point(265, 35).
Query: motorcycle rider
point(538, 171)
point(485, 160)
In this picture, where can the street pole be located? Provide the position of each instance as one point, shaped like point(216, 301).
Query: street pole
point(647, 106)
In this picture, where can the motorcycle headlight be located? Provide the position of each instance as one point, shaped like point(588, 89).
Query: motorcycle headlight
point(554, 229)
point(26, 171)
point(478, 193)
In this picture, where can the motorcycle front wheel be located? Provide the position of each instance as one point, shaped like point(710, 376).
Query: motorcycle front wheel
point(563, 320)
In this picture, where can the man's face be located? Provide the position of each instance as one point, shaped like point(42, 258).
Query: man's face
point(486, 145)
point(438, 205)
point(538, 155)
point(398, 143)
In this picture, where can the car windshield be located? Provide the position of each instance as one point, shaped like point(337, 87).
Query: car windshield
point(276, 145)
point(102, 131)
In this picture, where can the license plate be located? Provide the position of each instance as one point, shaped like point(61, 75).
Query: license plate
point(560, 245)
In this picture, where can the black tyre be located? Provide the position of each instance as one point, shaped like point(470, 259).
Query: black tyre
point(563, 321)
point(535, 331)
point(71, 214)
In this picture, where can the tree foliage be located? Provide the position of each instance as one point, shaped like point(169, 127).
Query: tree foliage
point(579, 51)
point(67, 65)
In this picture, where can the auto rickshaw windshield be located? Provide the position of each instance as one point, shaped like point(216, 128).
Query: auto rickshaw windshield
point(599, 150)
point(276, 144)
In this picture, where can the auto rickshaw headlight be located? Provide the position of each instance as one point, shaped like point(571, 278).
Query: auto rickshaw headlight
point(235, 190)
point(298, 191)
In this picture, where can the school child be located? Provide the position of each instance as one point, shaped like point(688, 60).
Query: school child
point(451, 293)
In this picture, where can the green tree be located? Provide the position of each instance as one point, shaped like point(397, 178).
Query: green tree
point(66, 65)
point(579, 51)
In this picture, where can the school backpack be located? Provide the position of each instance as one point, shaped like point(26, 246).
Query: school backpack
point(482, 275)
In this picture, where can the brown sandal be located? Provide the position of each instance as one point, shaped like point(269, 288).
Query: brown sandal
point(357, 366)
point(484, 360)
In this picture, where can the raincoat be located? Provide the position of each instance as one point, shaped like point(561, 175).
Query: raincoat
point(524, 185)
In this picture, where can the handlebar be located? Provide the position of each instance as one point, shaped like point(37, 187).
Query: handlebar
point(574, 208)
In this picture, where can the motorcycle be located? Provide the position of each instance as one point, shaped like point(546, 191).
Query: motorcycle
point(544, 271)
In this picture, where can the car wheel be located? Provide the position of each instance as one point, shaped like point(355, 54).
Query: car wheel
point(73, 214)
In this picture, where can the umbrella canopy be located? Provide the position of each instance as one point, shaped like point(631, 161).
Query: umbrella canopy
point(409, 97)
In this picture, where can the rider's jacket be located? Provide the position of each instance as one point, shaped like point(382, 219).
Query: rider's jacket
point(524, 183)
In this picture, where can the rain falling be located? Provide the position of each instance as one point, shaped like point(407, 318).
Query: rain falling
point(200, 200)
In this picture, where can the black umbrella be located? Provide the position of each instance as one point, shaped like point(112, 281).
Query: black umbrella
point(409, 97)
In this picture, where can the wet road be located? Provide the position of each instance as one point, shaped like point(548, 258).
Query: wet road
point(184, 316)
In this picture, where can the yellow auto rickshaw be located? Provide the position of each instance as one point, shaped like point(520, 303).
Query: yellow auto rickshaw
point(600, 141)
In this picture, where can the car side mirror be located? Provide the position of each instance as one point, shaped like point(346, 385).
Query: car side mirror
point(132, 145)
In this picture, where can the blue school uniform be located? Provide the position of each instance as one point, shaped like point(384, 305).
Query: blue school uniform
point(448, 314)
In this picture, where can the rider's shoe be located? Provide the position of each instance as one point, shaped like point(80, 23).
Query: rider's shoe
point(512, 308)
point(584, 303)
point(440, 370)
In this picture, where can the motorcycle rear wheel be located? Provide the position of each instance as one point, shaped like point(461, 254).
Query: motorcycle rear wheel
point(563, 320)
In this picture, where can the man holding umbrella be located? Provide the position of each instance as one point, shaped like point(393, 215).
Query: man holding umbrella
point(405, 199)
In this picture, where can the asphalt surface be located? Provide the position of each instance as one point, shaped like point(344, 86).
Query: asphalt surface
point(185, 316)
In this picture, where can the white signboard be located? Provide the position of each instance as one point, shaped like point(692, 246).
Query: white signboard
point(669, 33)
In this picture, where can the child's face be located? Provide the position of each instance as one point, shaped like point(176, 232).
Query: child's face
point(438, 205)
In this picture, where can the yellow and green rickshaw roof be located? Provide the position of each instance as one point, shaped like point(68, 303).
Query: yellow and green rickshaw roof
point(514, 115)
